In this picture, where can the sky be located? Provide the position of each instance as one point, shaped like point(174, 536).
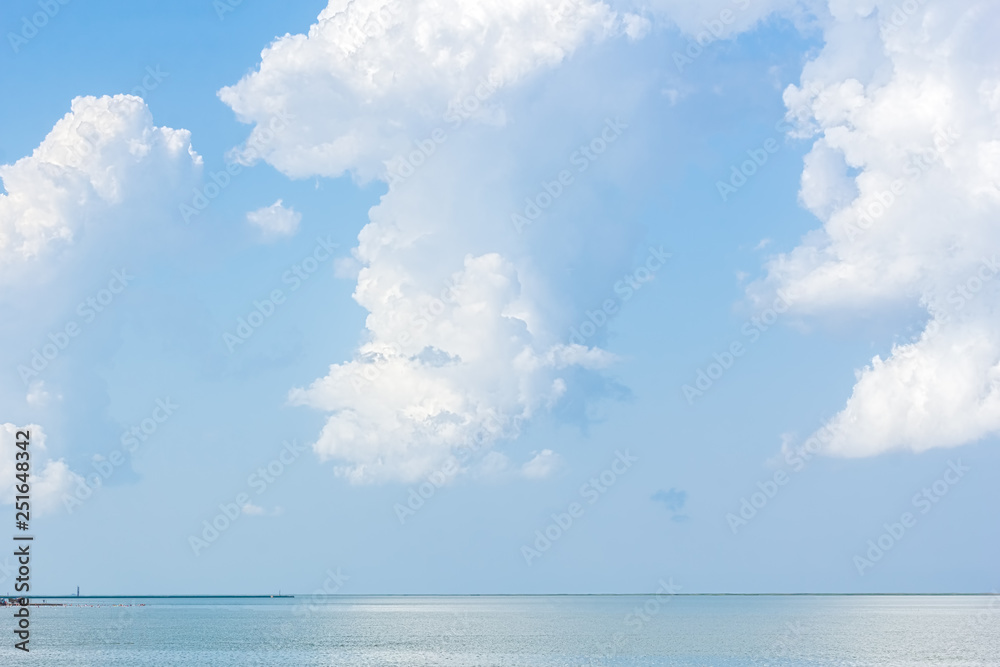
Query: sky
point(521, 296)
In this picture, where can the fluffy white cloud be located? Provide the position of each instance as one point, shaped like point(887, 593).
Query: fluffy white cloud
point(38, 396)
point(275, 221)
point(94, 199)
point(905, 175)
point(48, 486)
point(252, 510)
point(902, 101)
point(543, 464)
point(455, 368)
point(103, 153)
point(372, 75)
point(941, 391)
point(459, 348)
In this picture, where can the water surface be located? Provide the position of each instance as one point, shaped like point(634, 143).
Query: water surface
point(558, 631)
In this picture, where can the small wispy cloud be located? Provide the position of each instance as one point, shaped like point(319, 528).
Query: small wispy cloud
point(38, 396)
point(256, 510)
point(275, 221)
point(542, 465)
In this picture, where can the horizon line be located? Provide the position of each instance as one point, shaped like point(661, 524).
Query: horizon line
point(453, 595)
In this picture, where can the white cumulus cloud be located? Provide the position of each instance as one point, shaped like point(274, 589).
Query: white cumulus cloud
point(104, 153)
point(445, 370)
point(541, 465)
point(38, 396)
point(904, 100)
point(275, 221)
point(372, 75)
point(49, 480)
point(459, 348)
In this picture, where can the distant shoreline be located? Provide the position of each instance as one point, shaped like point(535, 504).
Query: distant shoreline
point(470, 595)
point(145, 597)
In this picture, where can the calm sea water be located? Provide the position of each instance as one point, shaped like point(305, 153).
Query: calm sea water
point(560, 631)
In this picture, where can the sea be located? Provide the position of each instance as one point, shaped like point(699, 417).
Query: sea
point(514, 631)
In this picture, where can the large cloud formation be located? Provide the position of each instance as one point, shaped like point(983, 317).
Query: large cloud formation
point(439, 373)
point(105, 152)
point(372, 75)
point(904, 101)
point(458, 350)
point(85, 201)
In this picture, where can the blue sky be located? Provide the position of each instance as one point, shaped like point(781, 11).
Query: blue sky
point(407, 365)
